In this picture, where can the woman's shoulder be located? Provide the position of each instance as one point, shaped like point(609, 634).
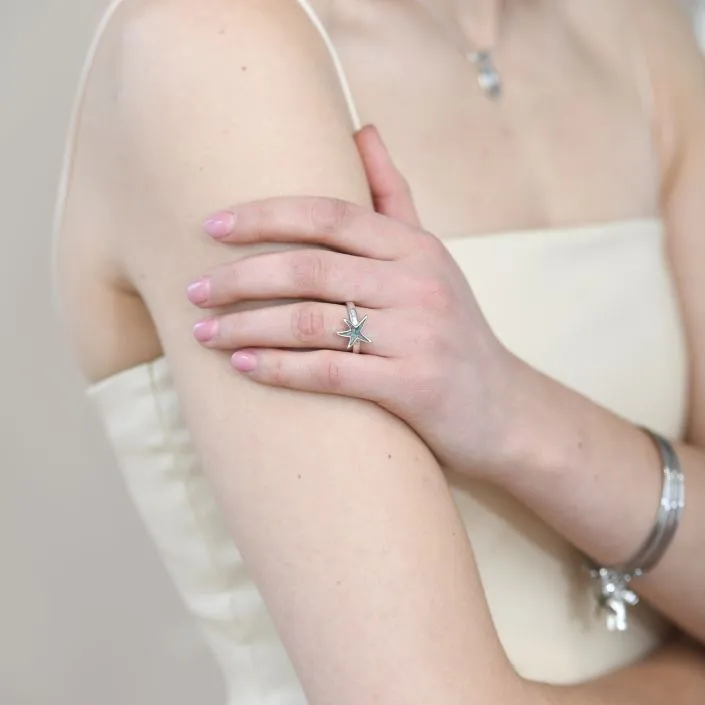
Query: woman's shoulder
point(177, 82)
point(653, 45)
point(160, 62)
point(175, 30)
point(660, 29)
point(164, 19)
point(159, 40)
point(666, 37)
point(177, 92)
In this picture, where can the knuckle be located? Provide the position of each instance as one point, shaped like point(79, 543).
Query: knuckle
point(328, 215)
point(276, 372)
point(429, 340)
point(227, 330)
point(311, 271)
point(404, 184)
point(308, 324)
point(426, 386)
point(435, 295)
point(331, 375)
point(431, 247)
point(263, 219)
point(434, 244)
point(362, 279)
point(224, 283)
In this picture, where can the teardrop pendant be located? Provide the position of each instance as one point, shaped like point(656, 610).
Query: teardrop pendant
point(488, 77)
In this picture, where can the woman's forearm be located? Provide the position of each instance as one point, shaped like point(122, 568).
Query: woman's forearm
point(596, 479)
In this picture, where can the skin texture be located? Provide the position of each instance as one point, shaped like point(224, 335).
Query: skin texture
point(189, 109)
point(432, 324)
point(439, 366)
point(676, 674)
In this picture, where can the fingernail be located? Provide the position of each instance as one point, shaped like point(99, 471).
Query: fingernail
point(220, 225)
point(204, 331)
point(371, 128)
point(199, 291)
point(244, 361)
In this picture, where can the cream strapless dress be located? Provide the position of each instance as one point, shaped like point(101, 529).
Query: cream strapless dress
point(593, 306)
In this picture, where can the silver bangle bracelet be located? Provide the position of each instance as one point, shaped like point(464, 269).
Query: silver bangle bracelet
point(614, 595)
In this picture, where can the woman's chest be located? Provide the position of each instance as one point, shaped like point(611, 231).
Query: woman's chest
point(570, 141)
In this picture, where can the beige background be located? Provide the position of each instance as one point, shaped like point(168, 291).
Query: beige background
point(87, 615)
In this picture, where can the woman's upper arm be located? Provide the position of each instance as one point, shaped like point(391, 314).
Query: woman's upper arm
point(678, 68)
point(341, 512)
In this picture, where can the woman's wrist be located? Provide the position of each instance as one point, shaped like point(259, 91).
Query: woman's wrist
point(533, 439)
point(587, 455)
point(504, 442)
point(597, 480)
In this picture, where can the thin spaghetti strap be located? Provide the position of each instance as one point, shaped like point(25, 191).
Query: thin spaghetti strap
point(68, 158)
point(67, 164)
point(342, 77)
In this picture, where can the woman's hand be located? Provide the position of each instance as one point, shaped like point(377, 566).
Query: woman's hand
point(433, 362)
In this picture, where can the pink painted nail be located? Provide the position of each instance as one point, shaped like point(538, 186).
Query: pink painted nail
point(220, 224)
point(199, 291)
point(244, 361)
point(204, 331)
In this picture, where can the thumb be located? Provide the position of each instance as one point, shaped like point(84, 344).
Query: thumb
point(390, 191)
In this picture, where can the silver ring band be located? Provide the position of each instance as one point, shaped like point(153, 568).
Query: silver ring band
point(354, 330)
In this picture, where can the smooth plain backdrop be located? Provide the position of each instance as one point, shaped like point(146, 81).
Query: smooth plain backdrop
point(87, 614)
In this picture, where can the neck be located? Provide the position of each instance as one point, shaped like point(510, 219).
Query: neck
point(478, 21)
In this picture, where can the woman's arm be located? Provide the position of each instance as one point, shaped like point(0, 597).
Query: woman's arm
point(603, 474)
point(675, 674)
point(591, 475)
point(341, 512)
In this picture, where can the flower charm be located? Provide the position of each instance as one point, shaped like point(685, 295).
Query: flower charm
point(614, 596)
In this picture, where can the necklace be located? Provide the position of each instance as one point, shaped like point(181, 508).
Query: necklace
point(489, 78)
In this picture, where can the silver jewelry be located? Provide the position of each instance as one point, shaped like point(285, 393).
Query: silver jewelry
point(488, 77)
point(355, 329)
point(614, 594)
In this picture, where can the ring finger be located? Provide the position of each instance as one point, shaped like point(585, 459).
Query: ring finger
point(303, 325)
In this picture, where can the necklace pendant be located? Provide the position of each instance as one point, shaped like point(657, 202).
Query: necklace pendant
point(488, 77)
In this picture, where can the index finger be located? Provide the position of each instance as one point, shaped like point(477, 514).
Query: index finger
point(333, 223)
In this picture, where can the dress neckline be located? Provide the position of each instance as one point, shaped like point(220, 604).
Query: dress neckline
point(528, 237)
point(569, 232)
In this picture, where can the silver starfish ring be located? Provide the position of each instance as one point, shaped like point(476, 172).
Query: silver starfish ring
point(354, 331)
